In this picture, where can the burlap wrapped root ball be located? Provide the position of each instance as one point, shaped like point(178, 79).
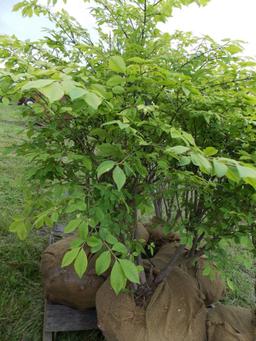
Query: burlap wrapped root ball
point(230, 323)
point(142, 233)
point(212, 289)
point(175, 312)
point(155, 228)
point(62, 285)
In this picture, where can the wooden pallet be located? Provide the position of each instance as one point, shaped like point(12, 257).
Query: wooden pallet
point(60, 318)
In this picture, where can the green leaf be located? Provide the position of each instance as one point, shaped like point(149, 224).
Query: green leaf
point(251, 182)
point(37, 84)
point(107, 149)
point(118, 90)
point(71, 89)
point(117, 64)
point(105, 167)
point(81, 263)
point(76, 92)
point(95, 244)
point(184, 161)
point(110, 238)
point(22, 231)
point(219, 168)
point(207, 270)
point(200, 161)
point(103, 262)
point(137, 164)
point(120, 247)
point(233, 49)
point(5, 101)
point(93, 100)
point(18, 6)
point(72, 225)
point(100, 90)
point(77, 206)
point(209, 151)
point(53, 92)
point(120, 124)
point(83, 230)
point(175, 134)
point(186, 91)
point(130, 270)
point(230, 284)
point(69, 257)
point(246, 172)
point(19, 227)
point(76, 243)
point(138, 60)
point(232, 174)
point(115, 80)
point(179, 149)
point(188, 138)
point(87, 163)
point(55, 217)
point(119, 177)
point(40, 221)
point(117, 278)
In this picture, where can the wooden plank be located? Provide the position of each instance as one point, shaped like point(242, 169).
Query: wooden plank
point(60, 318)
point(47, 336)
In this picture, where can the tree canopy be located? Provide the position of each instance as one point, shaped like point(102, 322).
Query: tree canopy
point(135, 121)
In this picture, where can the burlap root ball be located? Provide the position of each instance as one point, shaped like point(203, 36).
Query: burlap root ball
point(62, 285)
point(175, 312)
point(230, 323)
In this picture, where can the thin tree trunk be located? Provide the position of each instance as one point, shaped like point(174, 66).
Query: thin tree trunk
point(158, 204)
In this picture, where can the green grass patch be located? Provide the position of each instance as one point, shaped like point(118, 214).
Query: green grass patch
point(12, 167)
point(242, 278)
point(21, 301)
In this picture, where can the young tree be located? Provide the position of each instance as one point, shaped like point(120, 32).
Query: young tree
point(136, 119)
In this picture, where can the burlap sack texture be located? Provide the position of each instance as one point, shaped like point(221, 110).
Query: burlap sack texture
point(62, 285)
point(142, 232)
point(175, 312)
point(228, 323)
point(212, 289)
point(155, 228)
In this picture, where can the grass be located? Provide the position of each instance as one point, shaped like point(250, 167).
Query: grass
point(21, 300)
point(12, 168)
point(242, 278)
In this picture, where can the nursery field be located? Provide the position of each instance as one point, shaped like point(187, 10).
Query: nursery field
point(21, 299)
